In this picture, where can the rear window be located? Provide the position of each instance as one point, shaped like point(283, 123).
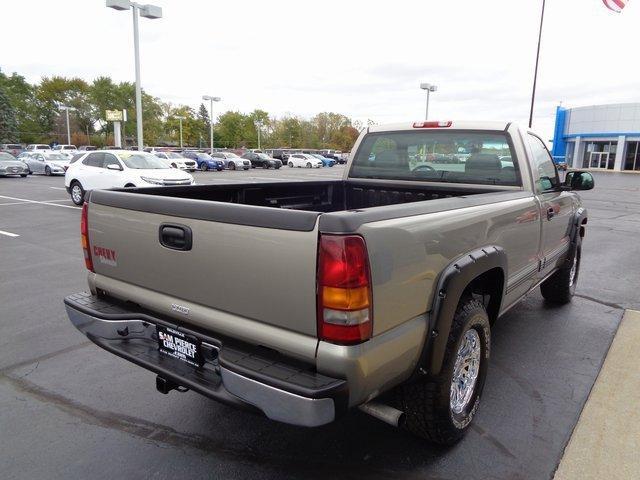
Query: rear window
point(484, 158)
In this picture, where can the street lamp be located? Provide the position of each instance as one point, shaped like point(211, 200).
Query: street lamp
point(211, 99)
point(66, 109)
point(428, 88)
point(258, 127)
point(180, 120)
point(147, 11)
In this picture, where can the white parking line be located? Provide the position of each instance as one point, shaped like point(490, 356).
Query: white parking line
point(41, 203)
point(9, 234)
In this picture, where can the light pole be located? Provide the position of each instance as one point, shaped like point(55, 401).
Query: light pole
point(180, 120)
point(66, 109)
point(147, 11)
point(258, 127)
point(211, 100)
point(429, 88)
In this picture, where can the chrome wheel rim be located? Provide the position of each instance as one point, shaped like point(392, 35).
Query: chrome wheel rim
point(76, 193)
point(465, 371)
point(574, 269)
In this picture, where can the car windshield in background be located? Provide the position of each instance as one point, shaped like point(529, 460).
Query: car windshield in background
point(5, 157)
point(57, 157)
point(142, 161)
point(204, 156)
point(231, 155)
point(174, 155)
point(264, 156)
point(437, 156)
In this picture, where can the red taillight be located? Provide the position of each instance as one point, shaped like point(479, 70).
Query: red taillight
point(84, 236)
point(345, 304)
point(432, 124)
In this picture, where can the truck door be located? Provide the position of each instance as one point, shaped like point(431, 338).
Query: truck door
point(556, 207)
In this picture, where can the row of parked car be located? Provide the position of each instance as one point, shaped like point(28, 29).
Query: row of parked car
point(42, 158)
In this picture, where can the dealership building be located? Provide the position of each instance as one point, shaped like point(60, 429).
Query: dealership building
point(603, 137)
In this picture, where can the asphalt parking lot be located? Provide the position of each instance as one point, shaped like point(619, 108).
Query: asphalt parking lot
point(70, 410)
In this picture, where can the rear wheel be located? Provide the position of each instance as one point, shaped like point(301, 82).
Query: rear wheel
point(77, 193)
point(561, 286)
point(204, 167)
point(290, 164)
point(441, 409)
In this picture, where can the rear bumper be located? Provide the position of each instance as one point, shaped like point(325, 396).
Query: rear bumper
point(231, 374)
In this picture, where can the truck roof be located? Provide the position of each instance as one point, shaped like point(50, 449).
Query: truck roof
point(458, 125)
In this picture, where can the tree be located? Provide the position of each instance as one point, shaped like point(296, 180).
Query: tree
point(231, 130)
point(8, 124)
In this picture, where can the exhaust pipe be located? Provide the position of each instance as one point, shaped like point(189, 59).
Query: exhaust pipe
point(383, 412)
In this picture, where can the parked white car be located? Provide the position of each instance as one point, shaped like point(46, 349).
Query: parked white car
point(303, 160)
point(68, 150)
point(178, 161)
point(117, 169)
point(37, 146)
point(45, 162)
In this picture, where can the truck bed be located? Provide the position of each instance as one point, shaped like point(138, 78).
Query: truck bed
point(321, 196)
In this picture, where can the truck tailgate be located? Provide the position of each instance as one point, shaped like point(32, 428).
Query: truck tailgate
point(263, 274)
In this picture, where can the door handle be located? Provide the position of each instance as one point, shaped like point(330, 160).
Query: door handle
point(550, 213)
point(175, 237)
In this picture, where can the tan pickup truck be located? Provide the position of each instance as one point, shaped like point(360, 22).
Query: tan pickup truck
point(301, 300)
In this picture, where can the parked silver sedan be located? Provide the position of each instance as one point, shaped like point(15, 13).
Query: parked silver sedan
point(45, 163)
point(9, 165)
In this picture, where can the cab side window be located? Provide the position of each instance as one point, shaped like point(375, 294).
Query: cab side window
point(544, 170)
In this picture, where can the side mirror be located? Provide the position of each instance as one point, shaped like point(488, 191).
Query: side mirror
point(113, 166)
point(579, 181)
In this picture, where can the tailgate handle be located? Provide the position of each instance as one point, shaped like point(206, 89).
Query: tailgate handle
point(175, 237)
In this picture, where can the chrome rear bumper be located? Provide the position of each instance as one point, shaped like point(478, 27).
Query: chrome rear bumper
point(231, 375)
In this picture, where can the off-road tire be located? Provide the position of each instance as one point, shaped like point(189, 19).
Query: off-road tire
point(560, 287)
point(426, 402)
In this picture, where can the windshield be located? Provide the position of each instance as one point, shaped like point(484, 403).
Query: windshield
point(5, 157)
point(319, 157)
point(142, 160)
point(230, 155)
point(437, 156)
point(204, 156)
point(264, 156)
point(57, 157)
point(174, 155)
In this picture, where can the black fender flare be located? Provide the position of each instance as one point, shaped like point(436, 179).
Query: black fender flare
point(452, 283)
point(575, 236)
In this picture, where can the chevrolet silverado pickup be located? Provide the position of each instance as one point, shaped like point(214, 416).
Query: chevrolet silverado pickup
point(376, 291)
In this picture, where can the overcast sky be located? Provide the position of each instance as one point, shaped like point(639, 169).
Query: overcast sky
point(364, 59)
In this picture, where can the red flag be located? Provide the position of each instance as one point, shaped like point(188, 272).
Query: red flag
point(615, 5)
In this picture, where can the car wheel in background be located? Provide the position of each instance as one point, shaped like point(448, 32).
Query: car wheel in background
point(265, 165)
point(308, 164)
point(232, 166)
point(290, 164)
point(77, 193)
point(129, 185)
point(47, 171)
point(23, 175)
point(174, 165)
point(204, 167)
point(219, 169)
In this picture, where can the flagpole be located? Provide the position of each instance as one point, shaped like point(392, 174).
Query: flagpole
point(535, 75)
